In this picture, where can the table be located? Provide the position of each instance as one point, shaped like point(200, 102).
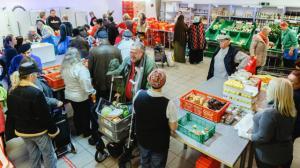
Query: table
point(225, 146)
point(44, 51)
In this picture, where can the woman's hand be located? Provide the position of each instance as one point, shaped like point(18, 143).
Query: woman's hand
point(93, 97)
point(60, 103)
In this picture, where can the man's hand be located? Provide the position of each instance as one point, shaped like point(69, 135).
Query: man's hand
point(60, 103)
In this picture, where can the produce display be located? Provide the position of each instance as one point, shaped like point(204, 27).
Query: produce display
point(205, 101)
point(240, 27)
point(204, 105)
point(242, 89)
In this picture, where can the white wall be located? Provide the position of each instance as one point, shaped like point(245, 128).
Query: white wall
point(98, 6)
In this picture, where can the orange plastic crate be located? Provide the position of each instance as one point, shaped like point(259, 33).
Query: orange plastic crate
point(54, 80)
point(51, 69)
point(202, 111)
point(207, 162)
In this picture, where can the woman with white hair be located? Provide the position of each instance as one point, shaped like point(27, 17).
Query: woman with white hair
point(273, 128)
point(78, 90)
point(259, 46)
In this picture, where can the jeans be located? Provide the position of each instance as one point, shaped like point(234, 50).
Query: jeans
point(41, 146)
point(151, 159)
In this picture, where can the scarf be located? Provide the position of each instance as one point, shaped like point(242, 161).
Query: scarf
point(27, 83)
point(264, 38)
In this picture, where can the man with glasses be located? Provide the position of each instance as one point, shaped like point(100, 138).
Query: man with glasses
point(25, 50)
point(226, 60)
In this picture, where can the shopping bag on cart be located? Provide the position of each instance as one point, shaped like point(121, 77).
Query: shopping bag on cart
point(251, 66)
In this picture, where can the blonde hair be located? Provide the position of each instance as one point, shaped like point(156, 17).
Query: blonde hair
point(280, 91)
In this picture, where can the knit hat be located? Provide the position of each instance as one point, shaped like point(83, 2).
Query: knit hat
point(157, 78)
point(102, 34)
point(127, 33)
point(25, 47)
point(28, 68)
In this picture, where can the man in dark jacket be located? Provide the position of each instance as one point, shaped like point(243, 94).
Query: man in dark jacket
point(226, 60)
point(53, 21)
point(69, 27)
point(100, 28)
point(112, 30)
point(30, 118)
point(80, 43)
point(99, 61)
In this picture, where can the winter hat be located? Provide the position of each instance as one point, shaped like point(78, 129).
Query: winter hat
point(157, 78)
point(103, 34)
point(28, 68)
point(25, 47)
point(196, 19)
point(127, 34)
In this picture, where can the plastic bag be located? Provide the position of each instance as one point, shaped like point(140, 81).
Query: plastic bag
point(251, 66)
point(52, 40)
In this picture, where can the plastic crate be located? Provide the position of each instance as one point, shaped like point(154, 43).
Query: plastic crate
point(114, 136)
point(187, 123)
point(202, 111)
point(54, 80)
point(207, 162)
point(51, 69)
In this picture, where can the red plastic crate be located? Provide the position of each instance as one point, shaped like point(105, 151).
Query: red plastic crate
point(54, 80)
point(55, 68)
point(202, 111)
point(207, 162)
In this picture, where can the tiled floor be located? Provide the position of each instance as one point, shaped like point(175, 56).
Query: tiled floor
point(180, 79)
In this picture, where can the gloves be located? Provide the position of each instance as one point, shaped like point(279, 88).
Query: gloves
point(244, 134)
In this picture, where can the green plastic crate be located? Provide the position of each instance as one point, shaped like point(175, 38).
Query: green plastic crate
point(189, 121)
point(211, 34)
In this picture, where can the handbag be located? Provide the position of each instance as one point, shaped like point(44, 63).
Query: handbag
point(251, 66)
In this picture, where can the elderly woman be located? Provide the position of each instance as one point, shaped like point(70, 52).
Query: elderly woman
point(273, 128)
point(46, 31)
point(78, 89)
point(259, 46)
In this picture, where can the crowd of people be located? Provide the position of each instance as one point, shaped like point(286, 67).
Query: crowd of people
point(111, 51)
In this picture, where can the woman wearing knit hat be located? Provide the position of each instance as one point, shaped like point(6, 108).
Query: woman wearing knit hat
point(156, 119)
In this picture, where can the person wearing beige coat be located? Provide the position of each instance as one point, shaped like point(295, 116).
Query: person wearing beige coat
point(259, 46)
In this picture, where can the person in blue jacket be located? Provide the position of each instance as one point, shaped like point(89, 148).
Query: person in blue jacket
point(25, 50)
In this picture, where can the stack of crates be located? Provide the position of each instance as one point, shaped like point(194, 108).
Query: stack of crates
point(207, 162)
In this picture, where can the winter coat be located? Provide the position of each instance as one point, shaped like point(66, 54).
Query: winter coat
point(99, 60)
point(259, 49)
point(196, 40)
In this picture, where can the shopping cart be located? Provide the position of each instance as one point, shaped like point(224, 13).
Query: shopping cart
point(274, 67)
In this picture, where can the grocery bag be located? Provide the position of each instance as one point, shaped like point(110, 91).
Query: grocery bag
point(251, 66)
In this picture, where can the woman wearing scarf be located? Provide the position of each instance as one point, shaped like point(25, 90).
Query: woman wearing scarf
point(180, 38)
point(196, 41)
point(259, 46)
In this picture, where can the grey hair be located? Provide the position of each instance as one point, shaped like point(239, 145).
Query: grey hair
point(138, 45)
point(72, 57)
